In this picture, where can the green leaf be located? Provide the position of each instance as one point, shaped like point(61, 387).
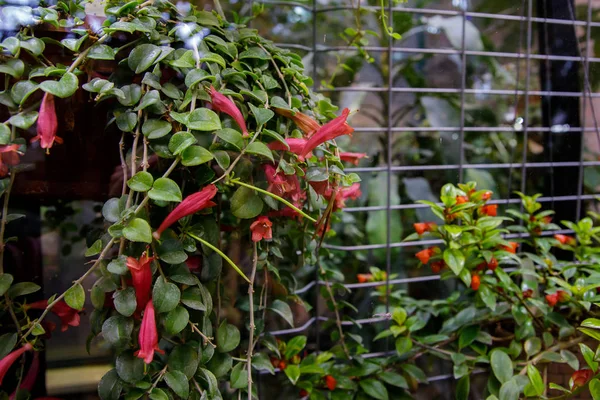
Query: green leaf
point(245, 203)
point(165, 295)
point(463, 387)
point(165, 189)
point(133, 94)
point(255, 52)
point(228, 337)
point(374, 388)
point(21, 91)
point(75, 296)
point(141, 182)
point(532, 346)
point(260, 362)
point(176, 320)
point(129, 367)
point(126, 121)
point(284, 310)
point(117, 331)
point(591, 323)
point(203, 119)
point(64, 88)
point(214, 58)
point(178, 382)
point(195, 76)
point(5, 281)
point(4, 134)
point(293, 373)
point(261, 115)
point(222, 158)
point(394, 379)
point(7, 343)
point(467, 336)
point(232, 137)
point(403, 345)
point(22, 289)
point(195, 155)
point(536, 380)
point(23, 120)
point(239, 376)
point(509, 390)
point(94, 249)
point(156, 128)
point(159, 394)
point(588, 356)
point(13, 67)
point(184, 358)
point(595, 388)
point(149, 99)
point(118, 265)
point(125, 301)
point(181, 141)
point(455, 260)
point(501, 365)
point(260, 149)
point(74, 44)
point(143, 57)
point(138, 230)
point(101, 52)
point(294, 346)
point(110, 386)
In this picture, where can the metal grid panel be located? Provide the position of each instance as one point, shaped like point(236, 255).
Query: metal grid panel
point(524, 91)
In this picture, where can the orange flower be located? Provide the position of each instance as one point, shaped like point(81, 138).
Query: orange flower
point(475, 282)
point(552, 299)
point(282, 365)
point(511, 248)
point(566, 240)
point(486, 196)
point(305, 123)
point(330, 382)
point(425, 255)
point(490, 210)
point(581, 377)
point(261, 229)
point(362, 278)
point(461, 199)
point(562, 296)
point(422, 227)
point(493, 264)
point(352, 158)
point(329, 131)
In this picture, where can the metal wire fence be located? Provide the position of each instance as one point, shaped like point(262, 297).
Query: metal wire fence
point(552, 97)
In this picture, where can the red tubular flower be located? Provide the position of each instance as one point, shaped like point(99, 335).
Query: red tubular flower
point(362, 278)
point(8, 360)
point(68, 316)
point(511, 248)
point(261, 229)
point(141, 275)
point(286, 212)
point(9, 155)
point(566, 240)
point(490, 210)
point(331, 130)
point(493, 264)
point(305, 123)
point(194, 263)
point(351, 192)
point(461, 199)
point(422, 227)
point(221, 103)
point(30, 377)
point(437, 266)
point(148, 338)
point(562, 296)
point(49, 327)
point(331, 382)
point(303, 393)
point(475, 282)
point(281, 184)
point(296, 145)
point(352, 158)
point(47, 124)
point(425, 255)
point(581, 377)
point(552, 299)
point(527, 294)
point(190, 205)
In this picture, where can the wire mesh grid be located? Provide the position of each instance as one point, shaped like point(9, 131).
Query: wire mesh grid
point(531, 21)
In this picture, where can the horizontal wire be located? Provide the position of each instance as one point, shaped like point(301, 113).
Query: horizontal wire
point(553, 129)
point(436, 167)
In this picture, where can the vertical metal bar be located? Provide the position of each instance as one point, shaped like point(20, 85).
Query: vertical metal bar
point(527, 86)
point(388, 234)
point(315, 87)
point(463, 84)
point(587, 90)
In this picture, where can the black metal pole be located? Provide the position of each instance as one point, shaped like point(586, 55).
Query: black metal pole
point(560, 113)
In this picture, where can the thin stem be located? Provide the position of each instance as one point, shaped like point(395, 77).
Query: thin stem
point(75, 283)
point(145, 164)
point(13, 316)
point(218, 8)
point(4, 217)
point(167, 173)
point(281, 77)
point(441, 351)
point(252, 327)
point(84, 54)
point(158, 379)
point(219, 252)
point(558, 346)
point(287, 203)
point(199, 332)
point(338, 319)
point(237, 159)
point(134, 153)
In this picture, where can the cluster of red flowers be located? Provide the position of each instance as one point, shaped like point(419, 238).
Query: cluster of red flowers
point(559, 297)
point(425, 255)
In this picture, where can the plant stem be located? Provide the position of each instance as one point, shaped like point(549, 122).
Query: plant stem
point(281, 77)
point(338, 319)
point(84, 54)
point(167, 173)
point(219, 252)
point(558, 346)
point(287, 203)
point(3, 220)
point(199, 332)
point(237, 159)
point(75, 283)
point(218, 8)
point(252, 327)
